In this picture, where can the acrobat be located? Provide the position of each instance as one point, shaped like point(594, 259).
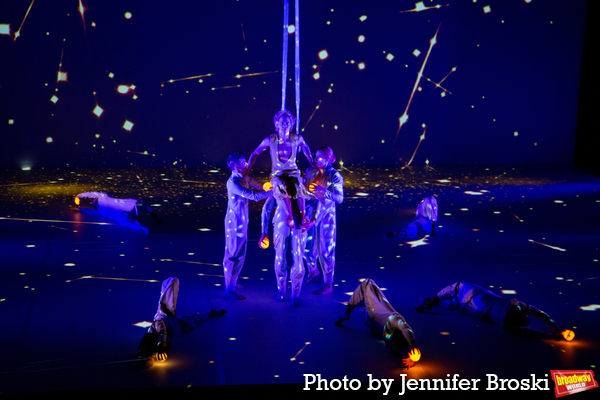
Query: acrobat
point(511, 314)
point(286, 178)
point(383, 321)
point(327, 184)
point(166, 326)
point(236, 221)
point(424, 222)
point(124, 211)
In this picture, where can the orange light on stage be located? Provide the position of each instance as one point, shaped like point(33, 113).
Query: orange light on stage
point(161, 357)
point(267, 186)
point(264, 244)
point(415, 354)
point(77, 201)
point(568, 335)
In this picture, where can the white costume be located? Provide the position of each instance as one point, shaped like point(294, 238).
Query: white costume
point(425, 218)
point(379, 313)
point(281, 231)
point(103, 204)
point(236, 224)
point(320, 243)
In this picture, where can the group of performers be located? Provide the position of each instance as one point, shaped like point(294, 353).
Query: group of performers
point(305, 214)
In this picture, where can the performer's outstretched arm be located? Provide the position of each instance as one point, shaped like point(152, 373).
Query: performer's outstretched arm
point(261, 147)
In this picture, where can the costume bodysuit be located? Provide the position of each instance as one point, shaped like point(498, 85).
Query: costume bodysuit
point(286, 174)
point(236, 224)
point(103, 204)
point(320, 243)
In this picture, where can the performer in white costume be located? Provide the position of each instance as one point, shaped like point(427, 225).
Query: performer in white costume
point(167, 325)
point(483, 305)
point(286, 178)
point(424, 222)
point(123, 211)
point(327, 184)
point(236, 221)
point(383, 320)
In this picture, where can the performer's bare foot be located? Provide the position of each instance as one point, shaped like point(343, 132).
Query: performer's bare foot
point(279, 297)
point(216, 313)
point(234, 296)
point(341, 319)
point(297, 302)
point(391, 235)
point(328, 288)
point(310, 276)
point(424, 303)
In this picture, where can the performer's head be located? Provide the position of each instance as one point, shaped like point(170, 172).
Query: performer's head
point(236, 162)
point(147, 346)
point(324, 157)
point(397, 344)
point(516, 316)
point(284, 120)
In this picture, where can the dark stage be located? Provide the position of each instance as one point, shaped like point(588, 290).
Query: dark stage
point(74, 286)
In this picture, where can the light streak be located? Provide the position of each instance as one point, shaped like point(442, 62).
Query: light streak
point(57, 227)
point(299, 351)
point(190, 262)
point(402, 120)
point(591, 307)
point(417, 148)
point(438, 85)
point(218, 276)
point(226, 87)
point(342, 167)
point(111, 279)
point(254, 74)
point(421, 7)
point(145, 153)
point(18, 32)
point(244, 37)
point(82, 9)
point(186, 79)
point(547, 245)
point(52, 220)
point(520, 220)
point(313, 113)
point(417, 243)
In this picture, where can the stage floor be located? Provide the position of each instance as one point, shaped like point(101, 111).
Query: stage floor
point(74, 286)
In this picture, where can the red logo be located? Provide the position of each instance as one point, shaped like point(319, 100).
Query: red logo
point(572, 381)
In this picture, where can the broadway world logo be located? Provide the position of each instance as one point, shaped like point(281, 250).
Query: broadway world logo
point(570, 382)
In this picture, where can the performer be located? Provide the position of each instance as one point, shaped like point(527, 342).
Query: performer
point(265, 217)
point(297, 235)
point(483, 305)
point(383, 321)
point(424, 221)
point(167, 326)
point(123, 211)
point(236, 221)
point(285, 175)
point(327, 184)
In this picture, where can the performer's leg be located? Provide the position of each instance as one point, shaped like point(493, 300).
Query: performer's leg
point(168, 299)
point(311, 254)
point(326, 240)
point(298, 271)
point(280, 232)
point(193, 321)
point(236, 244)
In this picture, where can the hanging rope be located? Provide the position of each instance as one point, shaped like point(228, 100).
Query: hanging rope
point(286, 19)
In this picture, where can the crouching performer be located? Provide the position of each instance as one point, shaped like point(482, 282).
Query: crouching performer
point(511, 314)
point(236, 221)
point(166, 326)
point(425, 220)
point(383, 321)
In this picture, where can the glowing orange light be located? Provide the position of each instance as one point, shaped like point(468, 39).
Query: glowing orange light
point(77, 201)
point(568, 334)
point(264, 244)
point(267, 186)
point(415, 354)
point(161, 357)
point(312, 187)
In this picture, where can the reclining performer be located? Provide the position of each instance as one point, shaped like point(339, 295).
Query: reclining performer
point(124, 211)
point(327, 184)
point(511, 314)
point(236, 221)
point(424, 222)
point(166, 326)
point(383, 321)
point(285, 176)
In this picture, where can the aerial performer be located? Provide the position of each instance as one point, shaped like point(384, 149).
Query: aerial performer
point(236, 221)
point(327, 185)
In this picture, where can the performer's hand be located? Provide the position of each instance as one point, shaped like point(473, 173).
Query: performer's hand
point(263, 243)
point(408, 363)
point(306, 226)
point(314, 188)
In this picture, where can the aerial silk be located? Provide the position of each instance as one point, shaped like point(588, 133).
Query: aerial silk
point(286, 20)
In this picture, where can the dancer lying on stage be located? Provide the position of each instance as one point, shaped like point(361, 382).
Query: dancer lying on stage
point(167, 326)
point(285, 175)
point(236, 221)
point(327, 184)
point(123, 211)
point(383, 321)
point(486, 306)
point(424, 222)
